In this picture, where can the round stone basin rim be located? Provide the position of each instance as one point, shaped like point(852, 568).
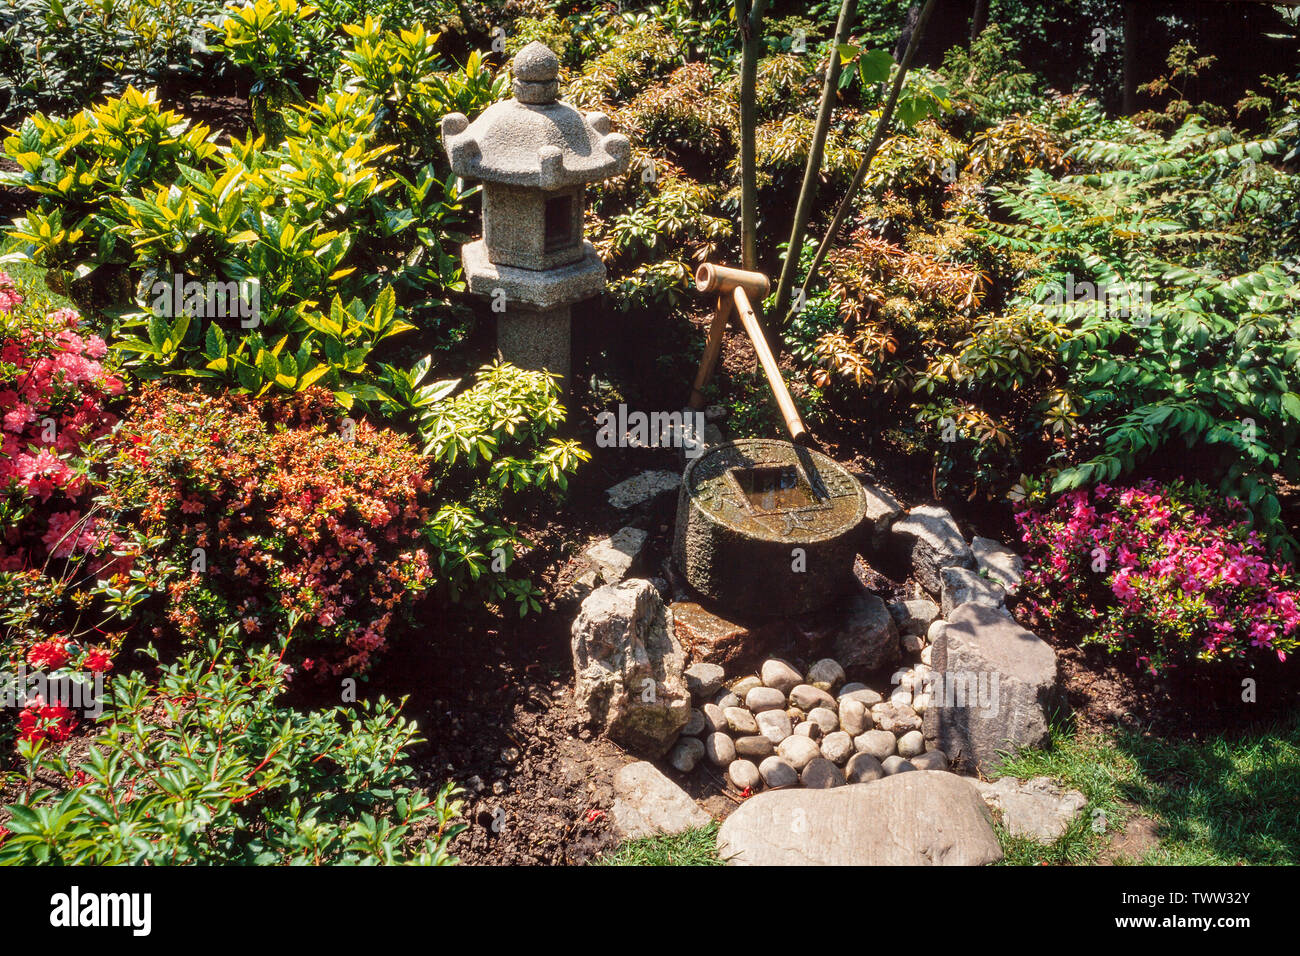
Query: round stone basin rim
point(772, 490)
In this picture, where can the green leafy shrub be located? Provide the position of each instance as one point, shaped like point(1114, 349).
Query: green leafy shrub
point(131, 196)
point(489, 440)
point(204, 767)
point(1200, 357)
point(61, 54)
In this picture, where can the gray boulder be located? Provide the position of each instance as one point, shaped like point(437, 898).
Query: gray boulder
point(704, 680)
point(821, 774)
point(864, 637)
point(963, 586)
point(1039, 809)
point(628, 668)
point(883, 509)
point(777, 773)
point(994, 687)
point(929, 540)
point(914, 617)
point(613, 556)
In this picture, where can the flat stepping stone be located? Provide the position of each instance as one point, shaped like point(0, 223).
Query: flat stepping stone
point(964, 586)
point(643, 487)
point(999, 562)
point(922, 818)
point(1039, 809)
point(646, 804)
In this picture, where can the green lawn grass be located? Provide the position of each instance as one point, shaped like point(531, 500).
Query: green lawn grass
point(692, 848)
point(1221, 801)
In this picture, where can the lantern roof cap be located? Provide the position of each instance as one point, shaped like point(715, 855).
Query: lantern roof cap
point(535, 140)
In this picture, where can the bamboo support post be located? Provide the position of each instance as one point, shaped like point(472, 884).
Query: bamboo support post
point(736, 285)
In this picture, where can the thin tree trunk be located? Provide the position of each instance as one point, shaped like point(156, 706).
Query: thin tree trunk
point(978, 19)
point(750, 18)
point(882, 127)
point(1129, 103)
point(812, 169)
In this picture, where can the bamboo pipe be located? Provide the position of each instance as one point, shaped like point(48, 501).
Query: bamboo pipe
point(793, 423)
point(711, 278)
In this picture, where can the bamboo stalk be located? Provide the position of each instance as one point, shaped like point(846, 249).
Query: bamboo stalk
point(882, 126)
point(812, 169)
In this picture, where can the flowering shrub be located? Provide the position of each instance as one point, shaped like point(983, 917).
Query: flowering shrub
point(205, 767)
point(270, 512)
point(1169, 572)
point(54, 393)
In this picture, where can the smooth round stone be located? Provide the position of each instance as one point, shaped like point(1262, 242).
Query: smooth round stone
point(902, 679)
point(821, 774)
point(863, 768)
point(854, 718)
point(743, 775)
point(741, 721)
point(898, 719)
point(837, 747)
point(901, 695)
point(796, 714)
point(826, 674)
point(780, 675)
point(686, 754)
point(931, 760)
point(879, 743)
point(850, 687)
point(824, 718)
point(703, 680)
point(720, 749)
point(806, 697)
point(774, 725)
point(868, 697)
point(797, 751)
point(936, 629)
point(810, 730)
point(696, 724)
point(896, 764)
point(760, 699)
point(777, 773)
point(757, 747)
point(921, 703)
point(926, 654)
point(912, 643)
point(715, 718)
point(743, 686)
point(726, 699)
point(911, 744)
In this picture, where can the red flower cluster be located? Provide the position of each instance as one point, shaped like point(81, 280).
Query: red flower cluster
point(295, 517)
point(41, 721)
point(48, 655)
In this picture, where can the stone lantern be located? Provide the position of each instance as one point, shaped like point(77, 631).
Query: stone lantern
point(534, 154)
